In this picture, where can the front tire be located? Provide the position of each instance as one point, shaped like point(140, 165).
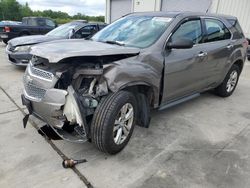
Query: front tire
point(5, 41)
point(227, 87)
point(114, 121)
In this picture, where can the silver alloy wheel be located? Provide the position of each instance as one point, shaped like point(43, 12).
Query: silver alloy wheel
point(123, 123)
point(231, 83)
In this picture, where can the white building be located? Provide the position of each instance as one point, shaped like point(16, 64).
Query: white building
point(239, 8)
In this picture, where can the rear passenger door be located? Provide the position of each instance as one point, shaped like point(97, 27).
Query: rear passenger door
point(219, 47)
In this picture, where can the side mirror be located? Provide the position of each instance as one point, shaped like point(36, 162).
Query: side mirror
point(71, 33)
point(181, 43)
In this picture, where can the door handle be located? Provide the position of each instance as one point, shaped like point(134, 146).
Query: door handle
point(202, 54)
point(230, 46)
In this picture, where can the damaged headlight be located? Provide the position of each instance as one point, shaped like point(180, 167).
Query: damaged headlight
point(22, 48)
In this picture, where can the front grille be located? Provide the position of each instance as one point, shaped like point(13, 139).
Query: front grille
point(33, 91)
point(37, 82)
point(41, 73)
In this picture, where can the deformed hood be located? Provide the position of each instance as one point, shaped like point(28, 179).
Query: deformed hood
point(33, 39)
point(59, 50)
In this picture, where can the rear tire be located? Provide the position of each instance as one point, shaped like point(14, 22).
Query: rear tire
point(227, 87)
point(114, 121)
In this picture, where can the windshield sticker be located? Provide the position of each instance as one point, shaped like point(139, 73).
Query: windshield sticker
point(162, 19)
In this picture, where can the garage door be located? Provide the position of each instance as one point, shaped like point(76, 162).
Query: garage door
point(186, 5)
point(119, 8)
point(240, 9)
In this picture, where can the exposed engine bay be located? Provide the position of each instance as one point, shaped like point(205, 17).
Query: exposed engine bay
point(72, 90)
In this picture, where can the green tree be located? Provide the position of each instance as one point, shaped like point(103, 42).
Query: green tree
point(25, 10)
point(10, 10)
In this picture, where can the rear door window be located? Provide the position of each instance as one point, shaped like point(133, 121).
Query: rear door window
point(216, 31)
point(32, 22)
point(191, 30)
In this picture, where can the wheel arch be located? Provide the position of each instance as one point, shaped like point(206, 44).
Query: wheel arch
point(140, 87)
point(239, 63)
point(144, 94)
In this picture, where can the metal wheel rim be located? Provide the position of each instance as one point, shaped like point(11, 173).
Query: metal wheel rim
point(123, 123)
point(231, 83)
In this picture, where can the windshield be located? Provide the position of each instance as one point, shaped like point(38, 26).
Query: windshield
point(63, 30)
point(135, 31)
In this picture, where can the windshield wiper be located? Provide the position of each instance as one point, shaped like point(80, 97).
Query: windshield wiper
point(115, 42)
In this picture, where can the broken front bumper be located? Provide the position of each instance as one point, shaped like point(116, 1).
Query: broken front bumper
point(53, 106)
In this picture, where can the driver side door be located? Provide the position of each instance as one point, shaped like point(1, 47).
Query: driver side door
point(183, 67)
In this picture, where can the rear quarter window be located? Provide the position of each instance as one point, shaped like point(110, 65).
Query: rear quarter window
point(235, 24)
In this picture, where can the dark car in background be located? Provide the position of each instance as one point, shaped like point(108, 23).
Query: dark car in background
point(29, 26)
point(18, 48)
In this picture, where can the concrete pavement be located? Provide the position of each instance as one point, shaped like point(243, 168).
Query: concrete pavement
point(202, 143)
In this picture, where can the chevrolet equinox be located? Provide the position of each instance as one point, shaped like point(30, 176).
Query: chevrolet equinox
point(98, 89)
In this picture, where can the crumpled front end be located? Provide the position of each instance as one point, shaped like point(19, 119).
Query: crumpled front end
point(63, 107)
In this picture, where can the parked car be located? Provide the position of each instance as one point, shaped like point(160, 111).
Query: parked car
point(18, 48)
point(7, 22)
point(98, 89)
point(29, 26)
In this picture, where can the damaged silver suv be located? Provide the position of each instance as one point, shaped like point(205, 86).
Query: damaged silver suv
point(98, 89)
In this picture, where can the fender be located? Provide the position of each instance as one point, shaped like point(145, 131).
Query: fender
point(129, 72)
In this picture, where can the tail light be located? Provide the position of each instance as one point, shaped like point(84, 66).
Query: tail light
point(7, 29)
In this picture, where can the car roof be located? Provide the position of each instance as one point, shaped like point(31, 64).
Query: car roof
point(173, 14)
point(158, 13)
point(88, 23)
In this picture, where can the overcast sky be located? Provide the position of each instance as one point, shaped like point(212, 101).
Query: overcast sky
point(88, 7)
